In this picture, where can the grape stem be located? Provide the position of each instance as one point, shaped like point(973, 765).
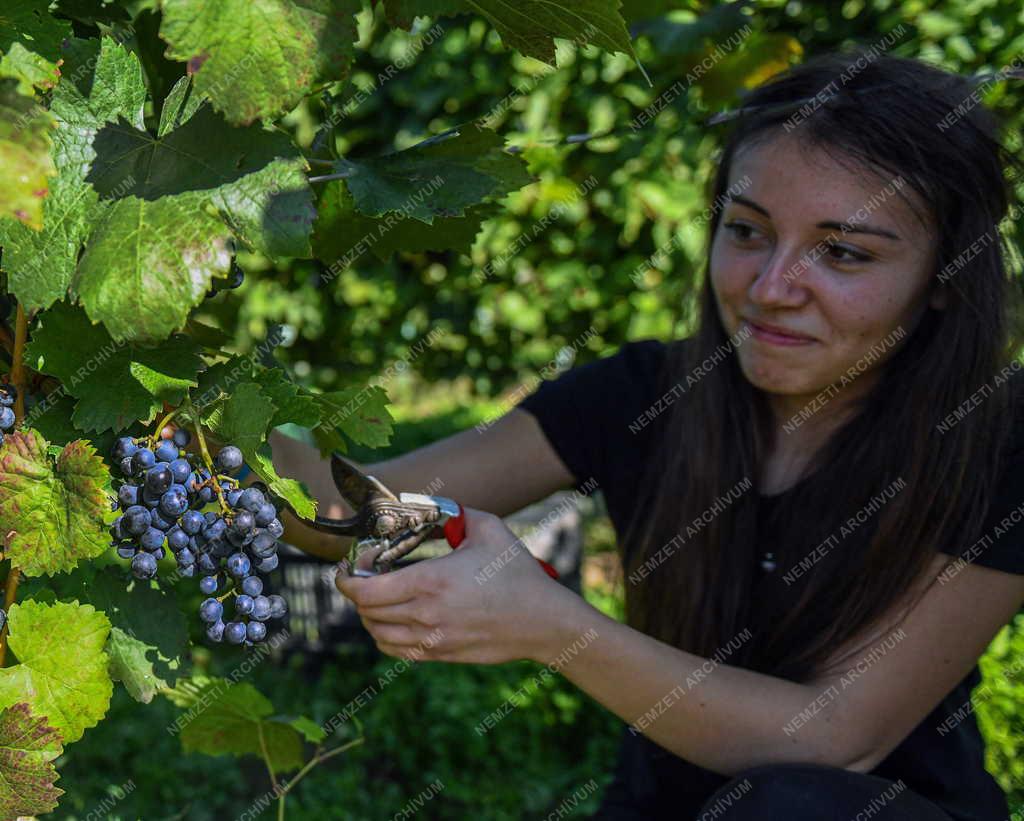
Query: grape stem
point(163, 422)
point(319, 757)
point(18, 380)
point(225, 509)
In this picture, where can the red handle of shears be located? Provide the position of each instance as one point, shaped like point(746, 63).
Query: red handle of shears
point(455, 533)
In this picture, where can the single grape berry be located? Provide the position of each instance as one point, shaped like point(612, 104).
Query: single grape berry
point(265, 515)
point(166, 451)
point(211, 610)
point(208, 585)
point(8, 393)
point(128, 495)
point(238, 565)
point(142, 460)
point(174, 502)
point(181, 438)
point(192, 522)
point(243, 605)
point(185, 557)
point(177, 539)
point(251, 500)
point(278, 606)
point(216, 631)
point(136, 520)
point(234, 632)
point(243, 522)
point(126, 466)
point(261, 608)
point(232, 496)
point(187, 571)
point(206, 563)
point(252, 585)
point(151, 539)
point(144, 566)
point(276, 528)
point(267, 564)
point(124, 446)
point(126, 551)
point(158, 480)
point(159, 521)
point(180, 470)
point(229, 459)
point(256, 631)
point(6, 418)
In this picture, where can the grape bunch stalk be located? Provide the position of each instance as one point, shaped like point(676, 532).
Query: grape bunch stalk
point(162, 502)
point(8, 393)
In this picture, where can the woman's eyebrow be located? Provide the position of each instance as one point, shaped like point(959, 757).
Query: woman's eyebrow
point(849, 228)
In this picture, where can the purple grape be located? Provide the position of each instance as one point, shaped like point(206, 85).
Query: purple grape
point(260, 608)
point(174, 502)
point(256, 631)
point(278, 606)
point(238, 565)
point(126, 551)
point(181, 438)
point(187, 571)
point(215, 631)
point(151, 539)
point(243, 522)
point(177, 539)
point(211, 610)
point(158, 479)
point(234, 632)
point(228, 460)
point(185, 557)
point(159, 521)
point(243, 605)
point(232, 496)
point(180, 470)
point(192, 522)
point(276, 528)
point(208, 585)
point(128, 495)
point(251, 500)
point(136, 520)
point(144, 566)
point(267, 565)
point(142, 460)
point(127, 468)
point(166, 451)
point(252, 585)
point(265, 515)
point(206, 563)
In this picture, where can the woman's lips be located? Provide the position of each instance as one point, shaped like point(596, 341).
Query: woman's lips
point(775, 338)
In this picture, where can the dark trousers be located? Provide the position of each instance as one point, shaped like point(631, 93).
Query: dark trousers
point(795, 792)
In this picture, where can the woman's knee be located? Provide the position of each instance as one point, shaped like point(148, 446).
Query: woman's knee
point(811, 792)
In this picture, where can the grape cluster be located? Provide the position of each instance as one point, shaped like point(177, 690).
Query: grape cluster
point(8, 393)
point(162, 501)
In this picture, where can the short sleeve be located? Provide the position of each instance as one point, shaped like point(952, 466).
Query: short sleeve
point(586, 412)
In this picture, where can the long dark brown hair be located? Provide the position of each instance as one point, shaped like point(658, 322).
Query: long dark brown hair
point(698, 594)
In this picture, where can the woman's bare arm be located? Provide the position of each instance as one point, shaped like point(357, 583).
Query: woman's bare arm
point(500, 469)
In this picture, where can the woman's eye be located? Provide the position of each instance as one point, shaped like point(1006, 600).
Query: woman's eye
point(854, 256)
point(737, 229)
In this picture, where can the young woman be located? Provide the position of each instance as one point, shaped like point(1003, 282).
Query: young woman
point(816, 495)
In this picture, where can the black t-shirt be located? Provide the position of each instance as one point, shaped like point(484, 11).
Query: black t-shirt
point(597, 418)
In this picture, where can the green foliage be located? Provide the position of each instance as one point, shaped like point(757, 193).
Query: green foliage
point(997, 702)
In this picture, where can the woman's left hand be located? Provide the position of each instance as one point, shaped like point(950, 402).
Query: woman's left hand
point(486, 603)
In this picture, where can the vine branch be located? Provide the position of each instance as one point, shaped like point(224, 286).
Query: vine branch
point(18, 380)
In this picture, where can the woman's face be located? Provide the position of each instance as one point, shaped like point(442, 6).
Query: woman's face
point(854, 296)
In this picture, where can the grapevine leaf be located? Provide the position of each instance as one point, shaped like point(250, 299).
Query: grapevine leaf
point(55, 508)
point(243, 418)
point(148, 263)
point(343, 234)
point(28, 746)
point(254, 177)
point(252, 69)
point(149, 636)
point(439, 177)
point(228, 718)
point(62, 672)
point(361, 414)
point(293, 404)
point(530, 26)
point(295, 493)
point(311, 731)
point(30, 39)
point(102, 81)
point(25, 162)
point(115, 383)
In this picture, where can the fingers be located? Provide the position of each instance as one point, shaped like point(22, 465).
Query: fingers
point(397, 587)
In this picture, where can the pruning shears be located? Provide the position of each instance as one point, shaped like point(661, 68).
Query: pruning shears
point(391, 525)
